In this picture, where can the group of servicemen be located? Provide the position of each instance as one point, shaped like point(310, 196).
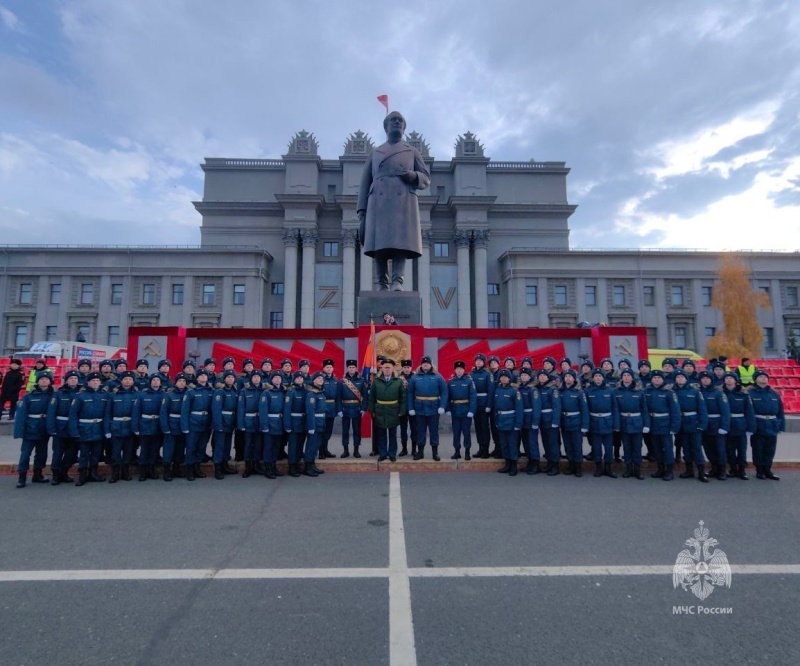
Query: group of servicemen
point(126, 417)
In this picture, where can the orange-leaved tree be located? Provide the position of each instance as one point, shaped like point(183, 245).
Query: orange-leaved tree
point(738, 302)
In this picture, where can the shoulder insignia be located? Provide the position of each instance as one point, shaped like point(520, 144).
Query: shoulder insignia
point(218, 398)
point(287, 399)
point(312, 400)
point(555, 393)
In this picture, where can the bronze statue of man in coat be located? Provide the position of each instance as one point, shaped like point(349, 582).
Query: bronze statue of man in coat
point(388, 210)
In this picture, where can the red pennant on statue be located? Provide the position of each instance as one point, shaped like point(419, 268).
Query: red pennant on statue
point(384, 99)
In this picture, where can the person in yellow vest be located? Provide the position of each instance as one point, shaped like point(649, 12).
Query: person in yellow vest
point(746, 372)
point(39, 368)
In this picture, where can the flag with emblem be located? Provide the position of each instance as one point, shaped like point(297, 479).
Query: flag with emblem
point(370, 362)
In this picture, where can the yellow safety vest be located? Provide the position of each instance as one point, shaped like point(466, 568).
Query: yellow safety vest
point(746, 374)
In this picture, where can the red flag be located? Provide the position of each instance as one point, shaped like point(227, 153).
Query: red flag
point(384, 99)
point(370, 362)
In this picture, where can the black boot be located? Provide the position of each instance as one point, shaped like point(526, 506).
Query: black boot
point(269, 470)
point(403, 451)
point(496, 454)
point(570, 469)
point(177, 471)
point(293, 471)
point(152, 472)
point(259, 468)
point(22, 479)
point(467, 455)
point(115, 473)
point(533, 467)
point(83, 474)
point(598, 470)
point(318, 470)
point(435, 450)
point(578, 469)
point(659, 473)
point(741, 473)
point(308, 470)
point(143, 472)
point(38, 477)
point(456, 455)
point(689, 473)
point(198, 471)
point(505, 469)
point(701, 474)
point(356, 452)
point(420, 453)
point(227, 468)
point(168, 469)
point(512, 468)
point(64, 476)
point(56, 478)
point(346, 452)
point(218, 473)
point(760, 472)
point(768, 473)
point(96, 475)
point(628, 471)
point(607, 471)
point(125, 473)
point(190, 473)
point(668, 475)
point(637, 473)
point(552, 469)
point(248, 469)
point(276, 471)
point(721, 475)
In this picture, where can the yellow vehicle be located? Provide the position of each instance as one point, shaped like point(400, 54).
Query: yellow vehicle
point(656, 356)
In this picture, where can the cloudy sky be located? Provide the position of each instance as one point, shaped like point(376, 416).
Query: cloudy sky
point(679, 119)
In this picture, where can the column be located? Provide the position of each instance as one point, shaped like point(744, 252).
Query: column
point(424, 273)
point(481, 239)
point(348, 277)
point(462, 239)
point(309, 238)
point(366, 273)
point(289, 278)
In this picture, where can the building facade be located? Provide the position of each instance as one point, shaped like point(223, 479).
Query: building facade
point(279, 250)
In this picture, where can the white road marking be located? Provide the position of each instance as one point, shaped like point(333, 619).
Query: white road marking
point(402, 650)
point(642, 570)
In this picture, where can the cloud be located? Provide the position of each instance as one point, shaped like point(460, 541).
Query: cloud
point(9, 20)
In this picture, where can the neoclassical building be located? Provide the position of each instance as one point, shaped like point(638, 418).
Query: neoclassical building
point(278, 249)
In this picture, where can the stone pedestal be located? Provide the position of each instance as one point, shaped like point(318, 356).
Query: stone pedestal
point(405, 306)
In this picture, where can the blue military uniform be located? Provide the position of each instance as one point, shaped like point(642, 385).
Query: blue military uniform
point(631, 419)
point(247, 421)
point(743, 421)
point(462, 402)
point(549, 421)
point(223, 423)
point(574, 422)
point(147, 425)
point(198, 405)
point(602, 408)
point(719, 423)
point(665, 421)
point(86, 424)
point(508, 411)
point(770, 421)
point(270, 418)
point(317, 410)
point(694, 420)
point(531, 415)
point(333, 407)
point(427, 398)
point(119, 417)
point(30, 425)
point(65, 447)
point(294, 422)
point(353, 393)
point(484, 391)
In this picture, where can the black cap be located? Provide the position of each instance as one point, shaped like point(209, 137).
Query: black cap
point(318, 373)
point(526, 371)
point(688, 361)
point(701, 375)
point(598, 371)
point(285, 361)
point(482, 357)
point(228, 373)
point(566, 360)
point(426, 359)
point(155, 376)
point(505, 373)
point(550, 360)
point(202, 371)
point(626, 371)
point(210, 360)
point(494, 358)
point(105, 362)
point(275, 373)
point(246, 361)
point(121, 361)
point(406, 363)
point(297, 374)
point(351, 361)
point(327, 361)
point(460, 364)
point(127, 373)
point(228, 359)
point(187, 363)
point(657, 373)
point(81, 363)
point(165, 361)
point(93, 375)
point(388, 360)
point(142, 361)
point(70, 373)
point(644, 362)
point(182, 376)
point(266, 360)
point(510, 358)
point(527, 359)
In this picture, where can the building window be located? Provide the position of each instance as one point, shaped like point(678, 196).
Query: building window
point(680, 337)
point(794, 332)
point(50, 333)
point(55, 293)
point(177, 294)
point(493, 289)
point(531, 294)
point(441, 249)
point(116, 294)
point(87, 293)
point(769, 337)
point(21, 336)
point(791, 297)
point(560, 294)
point(209, 294)
point(590, 294)
point(677, 295)
point(494, 320)
point(649, 295)
point(26, 293)
point(83, 333)
point(331, 192)
point(707, 296)
point(276, 319)
point(711, 331)
point(113, 336)
point(238, 294)
point(618, 295)
point(652, 338)
point(330, 249)
point(277, 288)
point(148, 294)
point(441, 197)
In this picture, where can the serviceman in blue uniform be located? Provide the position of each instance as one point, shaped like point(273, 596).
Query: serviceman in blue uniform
point(665, 421)
point(462, 401)
point(549, 367)
point(270, 418)
point(550, 419)
point(86, 417)
point(316, 416)
point(189, 371)
point(84, 370)
point(719, 424)
point(643, 377)
point(508, 416)
point(494, 368)
point(146, 426)
point(770, 422)
point(118, 422)
point(632, 420)
point(690, 370)
point(198, 405)
point(294, 421)
point(408, 424)
point(427, 398)
point(353, 393)
point(602, 407)
point(743, 425)
point(333, 407)
point(65, 447)
point(304, 366)
point(30, 425)
point(718, 371)
point(107, 376)
point(141, 376)
point(587, 371)
point(223, 423)
point(247, 422)
point(164, 368)
point(694, 420)
point(484, 390)
point(287, 377)
point(531, 414)
point(248, 366)
point(266, 370)
point(669, 367)
point(210, 365)
point(175, 427)
point(574, 421)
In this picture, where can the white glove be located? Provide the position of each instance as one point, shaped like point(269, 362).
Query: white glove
point(516, 429)
point(340, 414)
point(288, 431)
point(748, 435)
point(136, 433)
point(108, 435)
point(723, 432)
point(440, 410)
point(645, 430)
point(242, 429)
point(310, 432)
point(185, 432)
point(411, 412)
point(362, 412)
point(534, 427)
point(584, 430)
point(470, 415)
point(488, 410)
